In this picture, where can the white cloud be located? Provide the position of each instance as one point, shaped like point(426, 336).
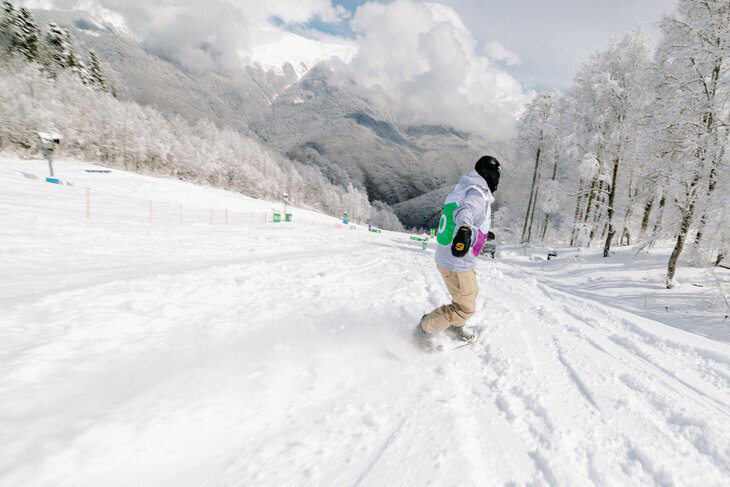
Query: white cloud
point(499, 52)
point(420, 60)
point(213, 34)
point(417, 60)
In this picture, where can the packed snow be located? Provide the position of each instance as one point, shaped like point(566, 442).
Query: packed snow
point(153, 332)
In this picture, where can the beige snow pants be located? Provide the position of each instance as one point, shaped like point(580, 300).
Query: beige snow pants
point(463, 289)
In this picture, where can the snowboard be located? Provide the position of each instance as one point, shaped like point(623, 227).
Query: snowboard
point(458, 344)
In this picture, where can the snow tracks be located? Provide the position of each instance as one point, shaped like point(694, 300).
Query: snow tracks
point(282, 357)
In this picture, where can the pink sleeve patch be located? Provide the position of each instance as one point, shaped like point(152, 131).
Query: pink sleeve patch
point(479, 244)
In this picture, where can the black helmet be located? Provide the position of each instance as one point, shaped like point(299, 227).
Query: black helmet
point(488, 168)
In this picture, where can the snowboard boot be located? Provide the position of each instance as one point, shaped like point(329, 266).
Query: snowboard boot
point(460, 333)
point(421, 338)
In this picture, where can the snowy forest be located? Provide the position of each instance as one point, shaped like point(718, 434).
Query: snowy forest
point(45, 85)
point(635, 151)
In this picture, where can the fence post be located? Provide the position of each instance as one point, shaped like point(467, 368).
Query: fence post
point(88, 203)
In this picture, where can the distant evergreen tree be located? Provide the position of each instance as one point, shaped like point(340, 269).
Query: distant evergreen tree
point(9, 9)
point(19, 32)
point(57, 46)
point(72, 59)
point(28, 34)
point(96, 72)
point(74, 62)
point(63, 53)
point(8, 35)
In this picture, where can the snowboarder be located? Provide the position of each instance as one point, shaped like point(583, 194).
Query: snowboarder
point(463, 230)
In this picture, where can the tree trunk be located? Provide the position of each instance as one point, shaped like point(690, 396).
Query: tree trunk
point(576, 216)
point(547, 217)
point(598, 203)
point(589, 207)
point(626, 234)
point(647, 214)
point(703, 220)
point(591, 197)
point(532, 201)
point(544, 227)
point(633, 193)
point(532, 215)
point(683, 230)
point(681, 237)
point(611, 199)
point(659, 218)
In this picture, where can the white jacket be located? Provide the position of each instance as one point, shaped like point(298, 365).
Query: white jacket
point(474, 211)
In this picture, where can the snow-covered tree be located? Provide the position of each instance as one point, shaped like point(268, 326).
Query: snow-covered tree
point(96, 72)
point(58, 47)
point(20, 32)
point(536, 134)
point(8, 35)
point(607, 97)
point(63, 55)
point(29, 34)
point(692, 66)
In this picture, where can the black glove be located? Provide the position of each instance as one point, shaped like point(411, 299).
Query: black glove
point(461, 243)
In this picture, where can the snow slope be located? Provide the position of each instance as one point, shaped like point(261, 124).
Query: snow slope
point(158, 353)
point(633, 280)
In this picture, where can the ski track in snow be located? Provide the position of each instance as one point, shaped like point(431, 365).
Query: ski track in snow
point(283, 358)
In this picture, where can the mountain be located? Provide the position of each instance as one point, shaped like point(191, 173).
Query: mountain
point(319, 119)
point(423, 210)
point(232, 99)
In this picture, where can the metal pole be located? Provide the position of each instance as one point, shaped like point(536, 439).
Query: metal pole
point(49, 156)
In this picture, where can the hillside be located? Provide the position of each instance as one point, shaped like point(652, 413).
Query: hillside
point(395, 163)
point(230, 99)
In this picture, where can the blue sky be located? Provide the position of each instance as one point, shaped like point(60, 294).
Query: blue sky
point(350, 5)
